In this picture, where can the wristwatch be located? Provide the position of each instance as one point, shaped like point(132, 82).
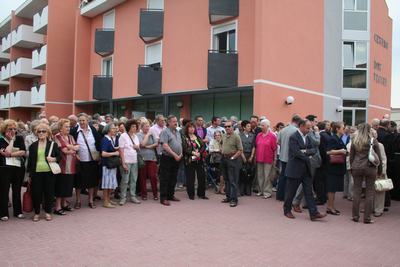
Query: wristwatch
point(232, 158)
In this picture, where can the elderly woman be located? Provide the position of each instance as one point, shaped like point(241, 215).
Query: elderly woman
point(109, 152)
point(148, 145)
point(336, 169)
point(65, 180)
point(43, 180)
point(363, 170)
point(128, 150)
point(266, 146)
point(194, 151)
point(215, 149)
point(247, 174)
point(12, 155)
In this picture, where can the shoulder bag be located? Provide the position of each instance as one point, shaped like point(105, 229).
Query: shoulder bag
point(55, 168)
point(383, 185)
point(372, 156)
point(337, 159)
point(113, 161)
point(140, 160)
point(94, 155)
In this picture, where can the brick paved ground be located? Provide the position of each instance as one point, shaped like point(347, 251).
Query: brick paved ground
point(201, 233)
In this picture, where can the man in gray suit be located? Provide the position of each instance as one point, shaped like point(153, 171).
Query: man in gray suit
point(315, 161)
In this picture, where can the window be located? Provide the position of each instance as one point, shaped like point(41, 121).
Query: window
point(355, 112)
point(356, 15)
point(154, 54)
point(107, 67)
point(355, 56)
point(109, 20)
point(224, 38)
point(155, 4)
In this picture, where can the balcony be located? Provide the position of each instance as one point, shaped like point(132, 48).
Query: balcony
point(40, 21)
point(5, 82)
point(4, 57)
point(92, 8)
point(222, 9)
point(151, 24)
point(39, 58)
point(5, 72)
point(4, 101)
point(149, 80)
point(38, 95)
point(222, 69)
point(22, 68)
point(6, 43)
point(104, 42)
point(102, 87)
point(20, 99)
point(24, 37)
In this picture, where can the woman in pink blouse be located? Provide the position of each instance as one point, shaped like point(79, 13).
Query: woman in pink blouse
point(266, 145)
point(65, 180)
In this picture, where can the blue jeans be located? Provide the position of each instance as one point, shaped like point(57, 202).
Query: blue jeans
point(280, 194)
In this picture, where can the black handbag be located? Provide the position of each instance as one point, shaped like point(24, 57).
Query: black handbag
point(113, 162)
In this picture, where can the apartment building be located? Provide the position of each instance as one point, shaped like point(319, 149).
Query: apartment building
point(36, 59)
point(232, 57)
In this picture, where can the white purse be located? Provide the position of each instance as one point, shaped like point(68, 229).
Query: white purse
point(383, 185)
point(372, 156)
point(55, 168)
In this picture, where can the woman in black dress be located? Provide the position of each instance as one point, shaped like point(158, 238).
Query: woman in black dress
point(335, 169)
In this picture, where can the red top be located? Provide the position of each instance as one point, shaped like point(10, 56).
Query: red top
point(266, 145)
point(68, 161)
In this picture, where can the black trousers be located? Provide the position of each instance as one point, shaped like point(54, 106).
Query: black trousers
point(320, 184)
point(192, 169)
point(246, 178)
point(43, 185)
point(231, 170)
point(15, 176)
point(292, 184)
point(168, 175)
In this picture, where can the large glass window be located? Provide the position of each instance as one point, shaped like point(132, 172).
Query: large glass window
point(355, 112)
point(107, 67)
point(355, 57)
point(154, 54)
point(224, 38)
point(356, 15)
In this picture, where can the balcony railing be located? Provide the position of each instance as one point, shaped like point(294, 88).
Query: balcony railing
point(222, 69)
point(104, 42)
point(22, 67)
point(92, 8)
point(24, 37)
point(20, 99)
point(151, 24)
point(39, 58)
point(40, 21)
point(102, 87)
point(149, 80)
point(38, 95)
point(5, 72)
point(5, 82)
point(6, 43)
point(222, 9)
point(4, 57)
point(4, 101)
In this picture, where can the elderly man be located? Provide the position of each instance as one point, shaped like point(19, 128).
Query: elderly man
point(232, 150)
point(171, 142)
point(73, 122)
point(157, 128)
point(298, 170)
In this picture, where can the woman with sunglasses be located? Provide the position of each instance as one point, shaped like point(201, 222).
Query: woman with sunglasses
point(43, 180)
point(12, 168)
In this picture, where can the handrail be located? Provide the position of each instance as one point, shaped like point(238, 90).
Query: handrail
point(216, 51)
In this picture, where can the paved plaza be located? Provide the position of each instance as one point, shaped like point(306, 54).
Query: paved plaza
point(201, 233)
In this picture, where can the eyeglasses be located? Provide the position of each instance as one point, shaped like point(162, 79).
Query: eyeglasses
point(11, 129)
point(41, 131)
point(228, 126)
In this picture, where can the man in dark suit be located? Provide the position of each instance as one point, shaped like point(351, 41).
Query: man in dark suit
point(298, 170)
point(320, 174)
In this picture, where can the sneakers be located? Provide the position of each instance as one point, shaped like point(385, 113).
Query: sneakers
point(135, 200)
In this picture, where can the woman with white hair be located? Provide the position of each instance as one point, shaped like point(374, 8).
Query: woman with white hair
point(362, 169)
point(266, 146)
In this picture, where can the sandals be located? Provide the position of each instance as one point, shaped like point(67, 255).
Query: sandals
point(77, 205)
point(48, 217)
point(4, 219)
point(66, 208)
point(333, 212)
point(92, 205)
point(60, 212)
point(36, 218)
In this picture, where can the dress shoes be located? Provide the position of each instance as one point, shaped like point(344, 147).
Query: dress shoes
point(233, 204)
point(317, 216)
point(297, 208)
point(165, 203)
point(290, 215)
point(174, 199)
point(204, 197)
point(225, 200)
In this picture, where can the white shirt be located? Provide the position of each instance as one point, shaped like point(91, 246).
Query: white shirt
point(83, 153)
point(155, 130)
point(211, 130)
point(125, 143)
point(302, 136)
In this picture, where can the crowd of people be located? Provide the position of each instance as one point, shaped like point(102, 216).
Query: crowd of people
point(305, 162)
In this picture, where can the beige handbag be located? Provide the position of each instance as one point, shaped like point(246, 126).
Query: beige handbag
point(55, 168)
point(383, 185)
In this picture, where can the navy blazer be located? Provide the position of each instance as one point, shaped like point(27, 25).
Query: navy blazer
point(299, 164)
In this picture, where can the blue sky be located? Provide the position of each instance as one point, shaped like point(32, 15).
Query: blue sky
point(394, 12)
